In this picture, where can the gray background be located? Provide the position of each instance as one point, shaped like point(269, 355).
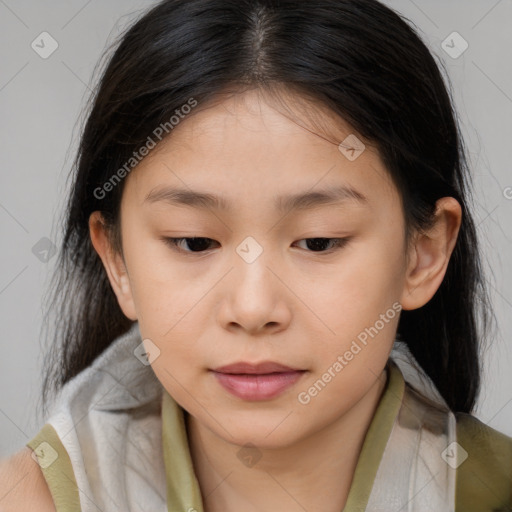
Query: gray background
point(40, 105)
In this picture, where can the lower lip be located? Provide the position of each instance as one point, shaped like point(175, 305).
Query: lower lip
point(258, 387)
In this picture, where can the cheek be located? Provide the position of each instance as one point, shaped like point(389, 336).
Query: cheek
point(359, 305)
point(178, 359)
point(351, 295)
point(162, 292)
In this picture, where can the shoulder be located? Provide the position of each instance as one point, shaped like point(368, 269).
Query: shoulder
point(22, 484)
point(484, 474)
point(483, 441)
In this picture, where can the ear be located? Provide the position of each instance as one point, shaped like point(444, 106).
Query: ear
point(430, 254)
point(113, 263)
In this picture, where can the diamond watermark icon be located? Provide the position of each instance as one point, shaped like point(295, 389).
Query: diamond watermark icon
point(454, 455)
point(351, 147)
point(44, 454)
point(454, 45)
point(44, 45)
point(44, 250)
point(249, 249)
point(146, 352)
point(249, 455)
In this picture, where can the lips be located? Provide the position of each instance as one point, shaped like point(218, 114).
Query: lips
point(258, 368)
point(256, 382)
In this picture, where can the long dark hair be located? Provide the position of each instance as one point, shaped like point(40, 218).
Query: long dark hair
point(357, 57)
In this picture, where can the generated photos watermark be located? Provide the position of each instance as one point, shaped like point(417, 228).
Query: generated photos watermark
point(304, 397)
point(157, 135)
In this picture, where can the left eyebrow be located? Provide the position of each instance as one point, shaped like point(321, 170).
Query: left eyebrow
point(312, 199)
point(299, 201)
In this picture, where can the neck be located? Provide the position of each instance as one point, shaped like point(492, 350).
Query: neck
point(313, 474)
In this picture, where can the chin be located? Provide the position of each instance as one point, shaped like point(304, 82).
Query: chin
point(271, 434)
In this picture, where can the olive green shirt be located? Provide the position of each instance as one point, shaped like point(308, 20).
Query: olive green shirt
point(483, 481)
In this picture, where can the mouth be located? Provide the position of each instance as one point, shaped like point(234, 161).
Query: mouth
point(256, 382)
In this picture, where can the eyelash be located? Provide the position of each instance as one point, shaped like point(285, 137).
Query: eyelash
point(173, 243)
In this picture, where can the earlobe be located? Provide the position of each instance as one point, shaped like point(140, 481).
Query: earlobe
point(430, 254)
point(113, 263)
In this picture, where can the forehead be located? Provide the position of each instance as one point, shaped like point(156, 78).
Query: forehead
point(248, 148)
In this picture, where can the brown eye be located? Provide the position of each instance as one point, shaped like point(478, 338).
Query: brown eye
point(324, 244)
point(195, 244)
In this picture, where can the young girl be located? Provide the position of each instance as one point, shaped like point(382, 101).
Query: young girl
point(270, 292)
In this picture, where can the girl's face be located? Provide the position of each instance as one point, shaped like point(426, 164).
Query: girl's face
point(253, 288)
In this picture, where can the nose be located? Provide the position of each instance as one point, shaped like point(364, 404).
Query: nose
point(254, 298)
